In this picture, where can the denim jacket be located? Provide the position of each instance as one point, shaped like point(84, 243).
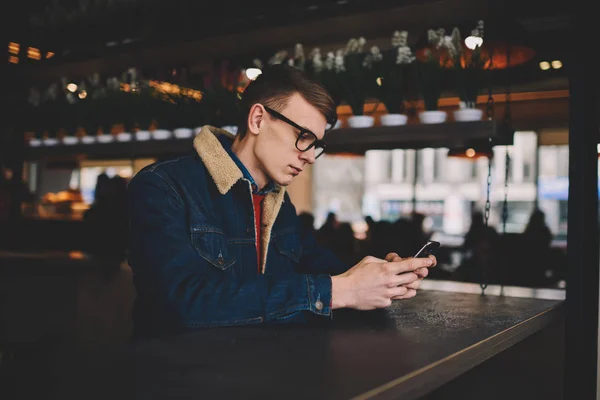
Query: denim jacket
point(193, 253)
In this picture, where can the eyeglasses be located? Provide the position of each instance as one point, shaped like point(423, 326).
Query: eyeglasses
point(306, 139)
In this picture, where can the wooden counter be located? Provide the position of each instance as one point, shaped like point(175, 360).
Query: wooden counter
point(404, 352)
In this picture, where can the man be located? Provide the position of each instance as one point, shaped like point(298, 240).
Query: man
point(216, 241)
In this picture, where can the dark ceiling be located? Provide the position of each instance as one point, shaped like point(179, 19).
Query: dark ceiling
point(70, 23)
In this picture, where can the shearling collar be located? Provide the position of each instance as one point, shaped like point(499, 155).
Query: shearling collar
point(221, 167)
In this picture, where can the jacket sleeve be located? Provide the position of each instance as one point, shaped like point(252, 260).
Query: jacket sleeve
point(186, 289)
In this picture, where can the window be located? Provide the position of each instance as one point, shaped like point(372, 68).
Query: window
point(439, 165)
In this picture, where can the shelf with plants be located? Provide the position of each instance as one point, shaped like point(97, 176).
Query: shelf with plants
point(392, 77)
point(125, 116)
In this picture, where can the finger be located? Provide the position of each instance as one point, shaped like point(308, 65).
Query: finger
point(398, 291)
point(433, 260)
point(422, 272)
point(404, 279)
point(409, 294)
point(414, 285)
point(409, 264)
point(393, 257)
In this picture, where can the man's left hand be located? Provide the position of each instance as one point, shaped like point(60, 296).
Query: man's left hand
point(421, 272)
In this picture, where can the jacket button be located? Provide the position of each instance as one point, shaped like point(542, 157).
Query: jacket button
point(319, 305)
point(220, 260)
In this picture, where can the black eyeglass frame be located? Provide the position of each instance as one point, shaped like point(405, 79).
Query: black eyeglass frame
point(316, 143)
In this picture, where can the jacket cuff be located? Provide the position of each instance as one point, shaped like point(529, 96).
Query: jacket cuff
point(319, 294)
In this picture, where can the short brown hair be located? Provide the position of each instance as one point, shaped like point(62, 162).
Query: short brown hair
point(275, 86)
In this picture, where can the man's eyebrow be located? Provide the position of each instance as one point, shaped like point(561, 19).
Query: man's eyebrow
point(304, 128)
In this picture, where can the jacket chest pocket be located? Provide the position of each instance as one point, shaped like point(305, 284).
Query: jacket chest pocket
point(211, 243)
point(288, 244)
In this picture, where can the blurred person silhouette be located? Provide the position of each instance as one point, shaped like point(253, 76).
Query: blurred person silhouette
point(331, 223)
point(480, 261)
point(326, 233)
point(106, 221)
point(343, 243)
point(476, 230)
point(102, 188)
point(537, 232)
point(12, 191)
point(541, 264)
point(384, 237)
point(307, 221)
point(402, 229)
point(363, 247)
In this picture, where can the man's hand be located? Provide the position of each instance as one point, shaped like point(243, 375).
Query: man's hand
point(373, 282)
point(422, 273)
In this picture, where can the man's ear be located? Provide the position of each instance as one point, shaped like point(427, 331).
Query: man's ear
point(255, 118)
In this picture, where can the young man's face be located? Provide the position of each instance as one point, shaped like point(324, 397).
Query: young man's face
point(276, 148)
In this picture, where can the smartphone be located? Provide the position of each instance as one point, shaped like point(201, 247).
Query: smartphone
point(429, 248)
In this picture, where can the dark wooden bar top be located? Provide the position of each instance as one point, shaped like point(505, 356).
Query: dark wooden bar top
point(404, 352)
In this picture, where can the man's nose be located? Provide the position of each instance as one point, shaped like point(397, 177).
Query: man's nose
point(308, 155)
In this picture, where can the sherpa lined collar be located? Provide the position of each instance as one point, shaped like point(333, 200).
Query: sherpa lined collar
point(224, 171)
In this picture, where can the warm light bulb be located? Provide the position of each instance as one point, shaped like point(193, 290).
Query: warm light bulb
point(470, 153)
point(82, 94)
point(76, 255)
point(544, 65)
point(253, 73)
point(71, 87)
point(378, 80)
point(556, 64)
point(13, 47)
point(472, 42)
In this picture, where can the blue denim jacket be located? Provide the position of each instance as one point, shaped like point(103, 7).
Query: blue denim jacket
point(193, 253)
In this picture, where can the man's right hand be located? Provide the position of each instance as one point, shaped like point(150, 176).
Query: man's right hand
point(373, 282)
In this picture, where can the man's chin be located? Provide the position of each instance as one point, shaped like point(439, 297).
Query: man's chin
point(285, 181)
